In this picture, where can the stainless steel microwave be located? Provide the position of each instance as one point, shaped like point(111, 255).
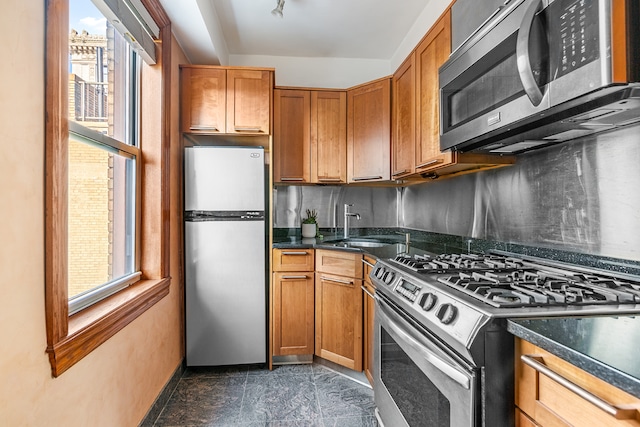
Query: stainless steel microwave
point(540, 72)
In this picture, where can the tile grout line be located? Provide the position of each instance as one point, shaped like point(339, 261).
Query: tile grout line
point(315, 386)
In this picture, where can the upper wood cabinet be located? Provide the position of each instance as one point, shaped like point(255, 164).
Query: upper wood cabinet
point(429, 55)
point(310, 136)
point(403, 139)
point(292, 136)
point(329, 137)
point(221, 100)
point(369, 132)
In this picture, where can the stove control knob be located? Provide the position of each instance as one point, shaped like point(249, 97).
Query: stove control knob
point(380, 272)
point(428, 301)
point(388, 278)
point(446, 313)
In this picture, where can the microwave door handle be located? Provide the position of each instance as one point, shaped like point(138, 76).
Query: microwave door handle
point(522, 54)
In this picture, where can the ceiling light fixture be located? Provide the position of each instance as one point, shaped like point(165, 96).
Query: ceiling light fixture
point(278, 10)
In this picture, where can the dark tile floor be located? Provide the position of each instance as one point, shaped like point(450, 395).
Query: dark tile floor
point(290, 395)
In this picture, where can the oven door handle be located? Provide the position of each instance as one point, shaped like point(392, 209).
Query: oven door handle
point(441, 365)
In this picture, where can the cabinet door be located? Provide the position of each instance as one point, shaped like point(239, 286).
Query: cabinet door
point(549, 402)
point(369, 308)
point(403, 139)
point(249, 101)
point(292, 142)
point(339, 320)
point(348, 264)
point(329, 137)
point(431, 53)
point(203, 100)
point(369, 132)
point(293, 313)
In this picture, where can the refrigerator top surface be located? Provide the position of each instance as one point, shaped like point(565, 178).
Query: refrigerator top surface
point(224, 179)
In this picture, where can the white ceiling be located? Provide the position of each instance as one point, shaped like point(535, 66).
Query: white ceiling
point(209, 31)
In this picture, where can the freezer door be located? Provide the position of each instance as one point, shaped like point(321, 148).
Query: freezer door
point(225, 292)
point(224, 179)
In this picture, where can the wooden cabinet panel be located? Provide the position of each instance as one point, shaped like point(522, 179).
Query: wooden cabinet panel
point(368, 318)
point(293, 313)
point(369, 132)
point(292, 138)
point(522, 420)
point(293, 259)
point(548, 403)
point(431, 53)
point(249, 101)
point(329, 137)
point(339, 320)
point(342, 263)
point(204, 100)
point(403, 139)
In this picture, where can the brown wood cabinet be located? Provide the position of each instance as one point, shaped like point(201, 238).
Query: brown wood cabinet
point(403, 140)
point(329, 137)
point(291, 136)
point(543, 401)
point(310, 136)
point(339, 308)
point(430, 162)
point(223, 100)
point(369, 132)
point(293, 302)
point(368, 318)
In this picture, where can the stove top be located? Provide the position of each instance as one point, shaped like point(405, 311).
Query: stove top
point(505, 281)
point(456, 296)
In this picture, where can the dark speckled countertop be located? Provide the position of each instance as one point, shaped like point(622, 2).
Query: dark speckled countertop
point(606, 347)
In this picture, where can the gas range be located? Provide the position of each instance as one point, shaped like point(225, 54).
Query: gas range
point(457, 295)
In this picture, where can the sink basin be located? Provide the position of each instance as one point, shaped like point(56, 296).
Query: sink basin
point(362, 243)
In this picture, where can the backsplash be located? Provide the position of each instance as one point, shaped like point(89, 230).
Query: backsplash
point(579, 196)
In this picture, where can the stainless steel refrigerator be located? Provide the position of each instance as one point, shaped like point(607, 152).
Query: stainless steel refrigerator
point(225, 255)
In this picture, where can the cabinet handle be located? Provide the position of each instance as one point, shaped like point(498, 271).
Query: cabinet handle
point(344, 282)
point(293, 253)
point(247, 129)
point(402, 172)
point(368, 263)
point(328, 179)
point(291, 179)
point(293, 277)
point(366, 178)
point(214, 128)
point(429, 163)
point(367, 292)
point(536, 362)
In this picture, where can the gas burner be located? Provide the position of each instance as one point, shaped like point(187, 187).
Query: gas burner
point(457, 262)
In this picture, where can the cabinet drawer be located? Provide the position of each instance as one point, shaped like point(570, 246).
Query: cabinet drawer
point(368, 264)
point(555, 393)
point(293, 259)
point(338, 262)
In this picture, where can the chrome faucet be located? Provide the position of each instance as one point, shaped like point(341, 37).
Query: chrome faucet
point(347, 214)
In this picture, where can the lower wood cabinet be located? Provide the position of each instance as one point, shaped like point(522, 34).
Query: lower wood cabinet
point(543, 401)
point(293, 313)
point(339, 319)
point(368, 310)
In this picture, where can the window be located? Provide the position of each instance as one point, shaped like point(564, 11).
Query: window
point(104, 76)
point(99, 280)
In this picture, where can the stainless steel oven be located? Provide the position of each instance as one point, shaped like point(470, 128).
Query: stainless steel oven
point(417, 381)
point(442, 354)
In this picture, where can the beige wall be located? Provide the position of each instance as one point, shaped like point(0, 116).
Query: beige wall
point(116, 384)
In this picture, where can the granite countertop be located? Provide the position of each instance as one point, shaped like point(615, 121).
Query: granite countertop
point(604, 346)
point(421, 243)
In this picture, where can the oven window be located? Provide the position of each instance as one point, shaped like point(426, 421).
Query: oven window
point(419, 400)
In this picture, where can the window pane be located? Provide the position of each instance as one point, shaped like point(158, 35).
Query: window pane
point(101, 216)
point(99, 73)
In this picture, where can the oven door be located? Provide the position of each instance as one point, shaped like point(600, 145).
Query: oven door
point(416, 381)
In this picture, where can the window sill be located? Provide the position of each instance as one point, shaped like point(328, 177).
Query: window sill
point(94, 325)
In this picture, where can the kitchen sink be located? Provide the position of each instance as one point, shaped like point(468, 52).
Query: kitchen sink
point(362, 243)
